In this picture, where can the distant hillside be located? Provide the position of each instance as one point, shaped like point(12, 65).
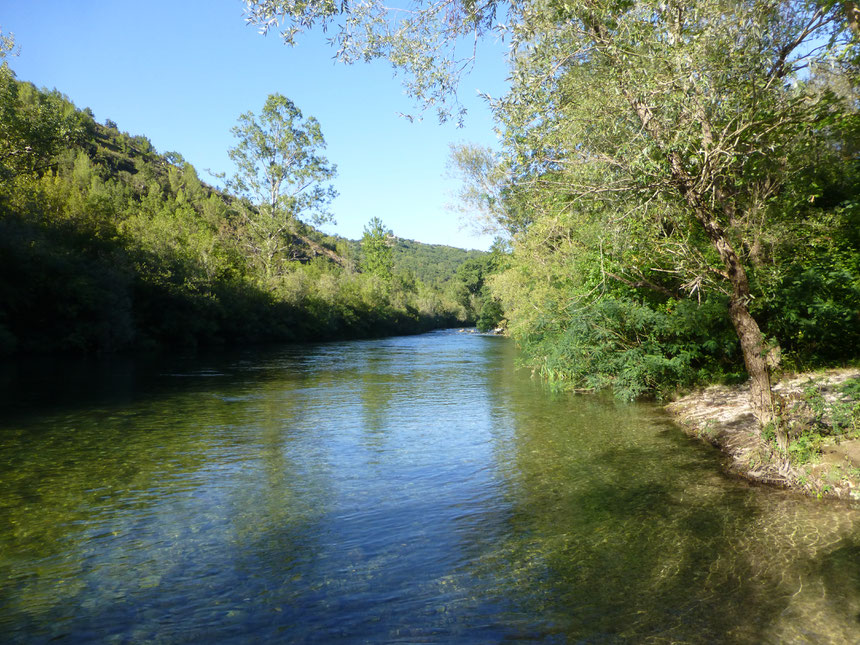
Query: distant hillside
point(430, 263)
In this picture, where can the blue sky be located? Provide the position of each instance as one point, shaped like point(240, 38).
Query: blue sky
point(181, 72)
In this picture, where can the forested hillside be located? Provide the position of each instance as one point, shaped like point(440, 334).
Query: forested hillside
point(430, 263)
point(106, 245)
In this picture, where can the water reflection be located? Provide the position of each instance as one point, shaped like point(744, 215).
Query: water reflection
point(409, 489)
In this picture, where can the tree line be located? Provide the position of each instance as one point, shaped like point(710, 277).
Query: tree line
point(107, 245)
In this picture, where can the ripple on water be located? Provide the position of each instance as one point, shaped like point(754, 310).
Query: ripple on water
point(407, 489)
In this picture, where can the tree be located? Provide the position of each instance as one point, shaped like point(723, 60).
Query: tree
point(473, 276)
point(279, 168)
point(377, 254)
point(683, 122)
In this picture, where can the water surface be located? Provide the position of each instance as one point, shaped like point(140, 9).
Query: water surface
point(413, 489)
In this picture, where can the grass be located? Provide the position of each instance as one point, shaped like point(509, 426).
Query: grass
point(816, 416)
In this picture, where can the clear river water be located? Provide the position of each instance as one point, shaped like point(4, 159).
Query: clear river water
point(406, 490)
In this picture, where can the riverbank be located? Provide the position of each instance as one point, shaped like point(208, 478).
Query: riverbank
point(824, 462)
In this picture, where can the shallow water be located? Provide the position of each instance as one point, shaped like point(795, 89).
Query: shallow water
point(413, 489)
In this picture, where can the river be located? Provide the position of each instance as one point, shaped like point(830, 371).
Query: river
point(414, 489)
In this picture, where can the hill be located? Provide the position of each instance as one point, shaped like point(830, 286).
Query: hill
point(431, 263)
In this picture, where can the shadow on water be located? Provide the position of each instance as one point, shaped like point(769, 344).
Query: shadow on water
point(640, 566)
point(62, 384)
point(840, 569)
point(123, 518)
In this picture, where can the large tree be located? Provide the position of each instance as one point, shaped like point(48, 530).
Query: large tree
point(690, 118)
point(281, 171)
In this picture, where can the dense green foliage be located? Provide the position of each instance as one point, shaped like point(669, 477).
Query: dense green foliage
point(435, 264)
point(474, 292)
point(281, 173)
point(376, 253)
point(432, 263)
point(681, 198)
point(596, 302)
point(107, 245)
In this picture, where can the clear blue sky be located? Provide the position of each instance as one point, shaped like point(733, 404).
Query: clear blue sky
point(181, 72)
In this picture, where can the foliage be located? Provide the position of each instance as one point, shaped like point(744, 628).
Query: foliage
point(33, 125)
point(817, 415)
point(431, 263)
point(484, 194)
point(280, 170)
point(632, 347)
point(472, 274)
point(376, 250)
point(474, 293)
point(108, 245)
point(434, 264)
point(811, 294)
point(677, 129)
point(491, 314)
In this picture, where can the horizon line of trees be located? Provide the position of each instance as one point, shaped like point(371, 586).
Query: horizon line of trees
point(106, 245)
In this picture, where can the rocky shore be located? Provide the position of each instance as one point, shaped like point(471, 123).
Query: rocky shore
point(722, 415)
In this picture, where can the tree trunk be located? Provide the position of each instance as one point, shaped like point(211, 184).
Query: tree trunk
point(853, 15)
point(749, 334)
point(755, 360)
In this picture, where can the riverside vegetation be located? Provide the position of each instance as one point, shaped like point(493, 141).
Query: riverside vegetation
point(108, 245)
point(821, 412)
point(677, 183)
